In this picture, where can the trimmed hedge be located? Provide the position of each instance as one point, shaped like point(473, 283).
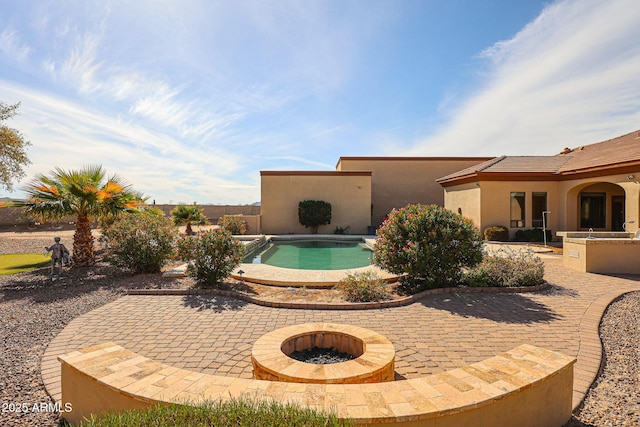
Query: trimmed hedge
point(496, 233)
point(533, 235)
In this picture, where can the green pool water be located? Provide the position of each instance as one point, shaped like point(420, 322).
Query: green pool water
point(315, 255)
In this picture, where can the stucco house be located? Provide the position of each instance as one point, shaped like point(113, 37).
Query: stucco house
point(595, 186)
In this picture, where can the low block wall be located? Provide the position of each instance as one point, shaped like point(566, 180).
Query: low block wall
point(602, 255)
point(526, 386)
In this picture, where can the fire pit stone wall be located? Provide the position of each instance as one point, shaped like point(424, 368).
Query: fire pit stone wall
point(374, 362)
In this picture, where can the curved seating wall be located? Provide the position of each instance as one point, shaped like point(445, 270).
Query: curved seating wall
point(526, 386)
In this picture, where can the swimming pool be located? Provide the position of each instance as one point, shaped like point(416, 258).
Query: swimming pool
point(314, 254)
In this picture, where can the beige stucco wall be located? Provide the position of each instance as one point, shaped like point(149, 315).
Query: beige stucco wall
point(348, 192)
point(397, 182)
point(87, 396)
point(496, 199)
point(489, 204)
point(605, 256)
point(464, 199)
point(570, 189)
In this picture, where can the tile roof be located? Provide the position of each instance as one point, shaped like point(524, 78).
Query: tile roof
point(621, 150)
point(615, 152)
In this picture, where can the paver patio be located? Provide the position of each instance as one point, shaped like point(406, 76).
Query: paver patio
point(441, 332)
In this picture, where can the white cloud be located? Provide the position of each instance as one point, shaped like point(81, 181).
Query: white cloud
point(13, 47)
point(81, 66)
point(70, 135)
point(570, 77)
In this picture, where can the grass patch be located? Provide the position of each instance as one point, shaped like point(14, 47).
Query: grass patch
point(17, 263)
point(236, 412)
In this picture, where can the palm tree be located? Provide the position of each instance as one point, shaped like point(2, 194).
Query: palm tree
point(187, 215)
point(86, 194)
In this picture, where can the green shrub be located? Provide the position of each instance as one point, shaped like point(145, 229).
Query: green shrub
point(363, 287)
point(212, 255)
point(507, 269)
point(496, 233)
point(236, 412)
point(142, 242)
point(533, 235)
point(314, 213)
point(234, 223)
point(428, 244)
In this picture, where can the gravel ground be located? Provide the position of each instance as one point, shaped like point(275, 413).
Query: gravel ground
point(614, 398)
point(34, 309)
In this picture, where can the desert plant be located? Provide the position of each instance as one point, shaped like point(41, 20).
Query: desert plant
point(363, 287)
point(342, 230)
point(86, 193)
point(236, 224)
point(496, 233)
point(428, 244)
point(506, 268)
point(142, 242)
point(314, 213)
point(188, 215)
point(212, 255)
point(533, 235)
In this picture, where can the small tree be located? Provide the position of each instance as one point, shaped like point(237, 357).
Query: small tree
point(141, 242)
point(236, 224)
point(187, 215)
point(87, 194)
point(314, 213)
point(213, 255)
point(12, 148)
point(427, 243)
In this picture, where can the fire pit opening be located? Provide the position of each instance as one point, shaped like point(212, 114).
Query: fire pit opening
point(323, 347)
point(323, 353)
point(321, 356)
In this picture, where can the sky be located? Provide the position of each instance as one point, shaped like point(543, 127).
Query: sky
point(189, 100)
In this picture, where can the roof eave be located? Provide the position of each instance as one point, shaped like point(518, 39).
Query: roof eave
point(499, 176)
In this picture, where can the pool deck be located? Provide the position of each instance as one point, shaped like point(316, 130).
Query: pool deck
point(290, 277)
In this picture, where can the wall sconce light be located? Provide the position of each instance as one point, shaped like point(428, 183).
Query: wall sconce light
point(630, 177)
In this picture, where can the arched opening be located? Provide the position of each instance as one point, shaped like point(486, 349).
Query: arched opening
point(598, 206)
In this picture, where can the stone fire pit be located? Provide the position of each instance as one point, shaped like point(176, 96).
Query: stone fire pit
point(374, 355)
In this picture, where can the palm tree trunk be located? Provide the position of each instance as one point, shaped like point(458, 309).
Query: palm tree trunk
point(83, 242)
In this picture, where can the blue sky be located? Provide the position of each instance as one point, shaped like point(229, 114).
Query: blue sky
point(189, 100)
